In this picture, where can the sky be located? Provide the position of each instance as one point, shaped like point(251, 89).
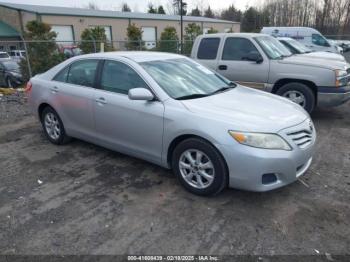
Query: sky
point(138, 5)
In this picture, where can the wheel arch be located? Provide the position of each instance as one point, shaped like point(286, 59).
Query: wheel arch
point(285, 81)
point(41, 108)
point(177, 140)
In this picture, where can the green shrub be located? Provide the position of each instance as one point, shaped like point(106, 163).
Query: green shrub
point(168, 40)
point(91, 39)
point(134, 34)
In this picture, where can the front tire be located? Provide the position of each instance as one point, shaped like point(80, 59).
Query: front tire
point(300, 94)
point(199, 167)
point(53, 127)
point(9, 82)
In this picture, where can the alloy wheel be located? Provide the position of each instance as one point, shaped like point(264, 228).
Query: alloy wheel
point(52, 126)
point(196, 168)
point(296, 96)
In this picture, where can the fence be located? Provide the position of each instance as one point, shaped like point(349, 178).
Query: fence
point(18, 50)
point(38, 50)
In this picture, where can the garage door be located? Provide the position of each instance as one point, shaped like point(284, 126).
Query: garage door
point(149, 37)
point(64, 34)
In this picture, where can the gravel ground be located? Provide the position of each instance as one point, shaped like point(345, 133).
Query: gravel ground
point(83, 199)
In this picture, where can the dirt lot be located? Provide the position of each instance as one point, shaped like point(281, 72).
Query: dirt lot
point(83, 199)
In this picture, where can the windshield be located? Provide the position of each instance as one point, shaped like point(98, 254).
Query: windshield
point(272, 47)
point(181, 78)
point(10, 65)
point(4, 55)
point(302, 49)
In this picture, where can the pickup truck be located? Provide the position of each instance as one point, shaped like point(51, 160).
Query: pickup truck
point(261, 61)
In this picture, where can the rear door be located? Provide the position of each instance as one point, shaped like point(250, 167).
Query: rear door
point(129, 126)
point(72, 91)
point(207, 52)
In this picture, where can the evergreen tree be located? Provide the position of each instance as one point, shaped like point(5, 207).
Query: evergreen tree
point(42, 55)
point(161, 10)
point(195, 12)
point(209, 13)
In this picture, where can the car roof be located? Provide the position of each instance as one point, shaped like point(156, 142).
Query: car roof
point(137, 56)
point(235, 34)
point(284, 38)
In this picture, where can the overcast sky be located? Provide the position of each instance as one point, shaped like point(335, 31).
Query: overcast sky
point(138, 5)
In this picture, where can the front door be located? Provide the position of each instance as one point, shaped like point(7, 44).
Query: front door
point(234, 63)
point(129, 126)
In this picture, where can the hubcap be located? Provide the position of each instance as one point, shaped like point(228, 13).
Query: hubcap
point(196, 168)
point(296, 96)
point(52, 126)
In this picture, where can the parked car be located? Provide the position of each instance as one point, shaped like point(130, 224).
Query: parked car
point(170, 110)
point(4, 56)
point(17, 55)
point(10, 75)
point(261, 61)
point(310, 37)
point(337, 46)
point(70, 51)
point(298, 48)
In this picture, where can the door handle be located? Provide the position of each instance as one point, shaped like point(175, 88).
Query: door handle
point(54, 89)
point(222, 67)
point(101, 100)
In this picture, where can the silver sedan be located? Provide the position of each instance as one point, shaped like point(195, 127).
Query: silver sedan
point(170, 110)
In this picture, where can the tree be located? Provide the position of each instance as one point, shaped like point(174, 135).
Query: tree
point(209, 13)
point(42, 55)
point(161, 10)
point(212, 31)
point(92, 39)
point(192, 30)
point(250, 20)
point(231, 14)
point(93, 6)
point(195, 12)
point(169, 40)
point(151, 9)
point(134, 34)
point(126, 8)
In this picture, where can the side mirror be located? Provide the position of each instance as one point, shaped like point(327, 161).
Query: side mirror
point(255, 57)
point(140, 93)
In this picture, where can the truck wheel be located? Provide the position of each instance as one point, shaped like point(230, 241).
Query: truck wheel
point(300, 94)
point(200, 167)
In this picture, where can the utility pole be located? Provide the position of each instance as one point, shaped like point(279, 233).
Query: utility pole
point(180, 5)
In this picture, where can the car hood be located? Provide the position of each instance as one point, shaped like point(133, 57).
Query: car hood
point(246, 109)
point(316, 62)
point(324, 55)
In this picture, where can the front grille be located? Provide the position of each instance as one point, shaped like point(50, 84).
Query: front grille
point(302, 138)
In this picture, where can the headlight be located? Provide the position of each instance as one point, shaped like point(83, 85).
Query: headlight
point(261, 140)
point(341, 79)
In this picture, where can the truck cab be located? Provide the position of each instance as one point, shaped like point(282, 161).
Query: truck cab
point(261, 61)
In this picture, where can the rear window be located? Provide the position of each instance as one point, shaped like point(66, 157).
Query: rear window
point(208, 48)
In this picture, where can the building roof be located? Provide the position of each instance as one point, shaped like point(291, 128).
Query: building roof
point(7, 30)
point(72, 11)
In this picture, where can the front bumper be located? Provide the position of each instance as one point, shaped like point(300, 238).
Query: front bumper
point(247, 165)
point(333, 96)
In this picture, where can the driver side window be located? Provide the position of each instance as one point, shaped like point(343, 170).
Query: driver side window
point(238, 49)
point(118, 77)
point(319, 40)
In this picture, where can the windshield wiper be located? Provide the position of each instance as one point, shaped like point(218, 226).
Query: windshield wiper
point(192, 96)
point(223, 89)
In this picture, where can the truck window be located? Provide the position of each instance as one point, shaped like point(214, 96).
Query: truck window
point(208, 48)
point(237, 49)
point(319, 40)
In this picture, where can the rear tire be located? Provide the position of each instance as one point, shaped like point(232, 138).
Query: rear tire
point(53, 127)
point(199, 167)
point(300, 94)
